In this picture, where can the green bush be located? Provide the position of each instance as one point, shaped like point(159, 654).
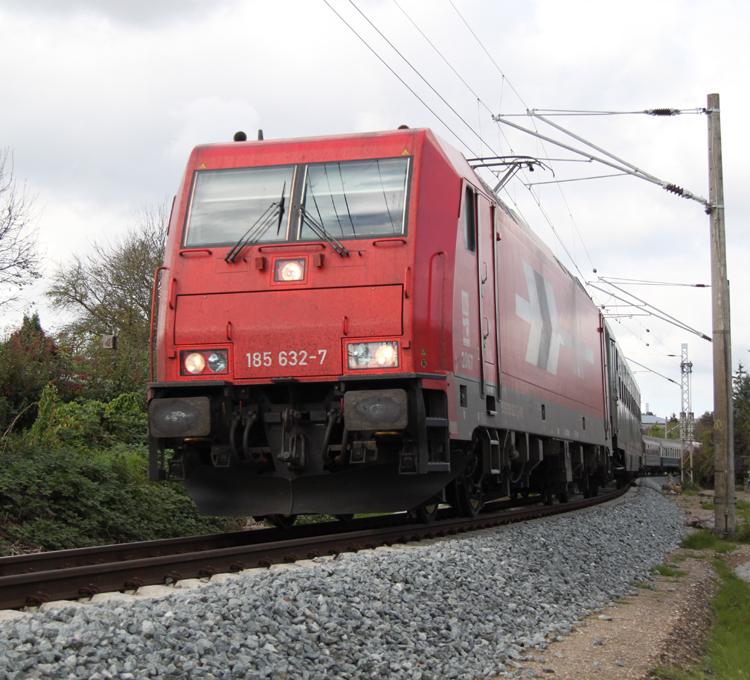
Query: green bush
point(72, 498)
point(78, 478)
point(29, 361)
point(90, 423)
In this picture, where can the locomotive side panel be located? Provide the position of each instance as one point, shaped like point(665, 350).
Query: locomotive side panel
point(550, 338)
point(434, 263)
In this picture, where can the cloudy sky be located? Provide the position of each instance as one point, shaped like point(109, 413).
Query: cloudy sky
point(102, 101)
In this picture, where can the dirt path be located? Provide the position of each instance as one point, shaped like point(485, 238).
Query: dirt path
point(664, 624)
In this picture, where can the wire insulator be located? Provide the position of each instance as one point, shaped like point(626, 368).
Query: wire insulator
point(663, 112)
point(673, 188)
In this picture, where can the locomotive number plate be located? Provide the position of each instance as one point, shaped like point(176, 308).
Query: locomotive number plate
point(298, 357)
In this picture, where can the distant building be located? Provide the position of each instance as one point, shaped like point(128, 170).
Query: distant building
point(647, 421)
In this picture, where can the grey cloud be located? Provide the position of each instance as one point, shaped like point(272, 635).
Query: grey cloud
point(145, 13)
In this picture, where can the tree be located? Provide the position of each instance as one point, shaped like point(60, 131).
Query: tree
point(108, 291)
point(703, 460)
point(741, 386)
point(29, 361)
point(19, 256)
point(704, 433)
point(655, 430)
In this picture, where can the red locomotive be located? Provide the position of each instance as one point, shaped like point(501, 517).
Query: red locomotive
point(358, 324)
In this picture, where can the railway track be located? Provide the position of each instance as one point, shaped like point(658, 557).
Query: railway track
point(30, 580)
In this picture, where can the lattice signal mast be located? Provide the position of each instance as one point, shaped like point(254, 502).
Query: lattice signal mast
point(687, 418)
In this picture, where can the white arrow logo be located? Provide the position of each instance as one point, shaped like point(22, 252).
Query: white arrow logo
point(540, 311)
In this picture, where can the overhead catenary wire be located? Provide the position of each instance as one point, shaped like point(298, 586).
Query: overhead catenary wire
point(651, 370)
point(476, 37)
point(649, 112)
point(616, 163)
point(648, 344)
point(403, 82)
point(638, 282)
point(413, 68)
point(573, 179)
point(654, 311)
point(482, 141)
point(504, 79)
point(440, 54)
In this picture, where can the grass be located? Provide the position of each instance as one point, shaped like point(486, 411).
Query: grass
point(707, 540)
point(727, 651)
point(664, 570)
point(728, 654)
point(742, 512)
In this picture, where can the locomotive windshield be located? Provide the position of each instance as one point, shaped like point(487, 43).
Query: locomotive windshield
point(227, 202)
point(357, 198)
point(347, 199)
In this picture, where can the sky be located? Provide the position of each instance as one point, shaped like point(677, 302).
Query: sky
point(103, 100)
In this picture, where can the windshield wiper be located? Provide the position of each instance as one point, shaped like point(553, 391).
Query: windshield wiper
point(259, 227)
point(319, 229)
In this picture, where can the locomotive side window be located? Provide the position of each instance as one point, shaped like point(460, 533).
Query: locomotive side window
point(355, 199)
point(470, 220)
point(225, 204)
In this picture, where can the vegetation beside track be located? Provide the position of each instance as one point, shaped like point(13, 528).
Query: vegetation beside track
point(77, 478)
point(727, 653)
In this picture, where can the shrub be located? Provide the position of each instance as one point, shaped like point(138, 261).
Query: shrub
point(30, 360)
point(72, 498)
point(90, 423)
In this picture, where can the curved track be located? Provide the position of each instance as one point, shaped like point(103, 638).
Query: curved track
point(70, 574)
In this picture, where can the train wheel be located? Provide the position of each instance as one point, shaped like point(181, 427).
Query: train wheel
point(281, 521)
point(427, 512)
point(563, 496)
point(547, 496)
point(468, 488)
point(591, 490)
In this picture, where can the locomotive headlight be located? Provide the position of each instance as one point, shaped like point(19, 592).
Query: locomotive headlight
point(359, 356)
point(217, 362)
point(204, 362)
point(386, 355)
point(365, 355)
point(289, 270)
point(194, 363)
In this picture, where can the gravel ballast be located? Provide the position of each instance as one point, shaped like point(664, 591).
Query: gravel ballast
point(460, 608)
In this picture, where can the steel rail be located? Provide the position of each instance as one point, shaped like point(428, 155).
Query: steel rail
point(127, 552)
point(127, 571)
